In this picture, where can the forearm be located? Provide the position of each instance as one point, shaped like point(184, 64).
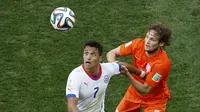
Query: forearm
point(113, 54)
point(131, 68)
point(140, 87)
point(75, 109)
point(111, 57)
point(72, 105)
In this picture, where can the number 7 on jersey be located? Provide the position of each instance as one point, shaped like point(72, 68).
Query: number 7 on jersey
point(96, 89)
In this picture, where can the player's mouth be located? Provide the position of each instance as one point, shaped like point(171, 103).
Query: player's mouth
point(87, 62)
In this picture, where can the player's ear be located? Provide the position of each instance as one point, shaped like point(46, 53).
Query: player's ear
point(161, 44)
point(100, 58)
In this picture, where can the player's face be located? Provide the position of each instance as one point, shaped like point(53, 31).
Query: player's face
point(91, 57)
point(152, 43)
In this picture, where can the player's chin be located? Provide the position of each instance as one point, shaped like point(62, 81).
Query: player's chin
point(147, 49)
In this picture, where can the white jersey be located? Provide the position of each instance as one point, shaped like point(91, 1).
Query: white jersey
point(90, 90)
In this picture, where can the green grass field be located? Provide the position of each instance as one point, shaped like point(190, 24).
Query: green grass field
point(36, 59)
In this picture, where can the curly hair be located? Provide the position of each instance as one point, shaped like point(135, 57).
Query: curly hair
point(163, 32)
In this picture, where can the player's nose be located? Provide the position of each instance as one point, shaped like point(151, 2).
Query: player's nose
point(89, 57)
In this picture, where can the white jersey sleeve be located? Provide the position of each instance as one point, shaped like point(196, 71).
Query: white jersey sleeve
point(113, 68)
point(73, 85)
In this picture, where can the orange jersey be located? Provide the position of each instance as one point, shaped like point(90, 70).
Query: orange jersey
point(158, 68)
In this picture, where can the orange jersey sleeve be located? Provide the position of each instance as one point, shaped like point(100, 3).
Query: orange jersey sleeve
point(129, 48)
point(159, 73)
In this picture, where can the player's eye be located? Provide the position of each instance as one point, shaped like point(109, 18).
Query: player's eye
point(153, 39)
point(93, 54)
point(86, 53)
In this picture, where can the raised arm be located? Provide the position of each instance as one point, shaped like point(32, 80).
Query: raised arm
point(113, 54)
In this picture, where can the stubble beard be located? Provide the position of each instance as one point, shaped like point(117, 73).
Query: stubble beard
point(152, 52)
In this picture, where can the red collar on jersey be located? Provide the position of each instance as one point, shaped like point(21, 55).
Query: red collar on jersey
point(94, 76)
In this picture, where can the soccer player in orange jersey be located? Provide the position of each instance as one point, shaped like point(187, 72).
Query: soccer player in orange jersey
point(149, 91)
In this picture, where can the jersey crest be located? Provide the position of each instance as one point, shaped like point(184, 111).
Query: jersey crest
point(106, 78)
point(148, 67)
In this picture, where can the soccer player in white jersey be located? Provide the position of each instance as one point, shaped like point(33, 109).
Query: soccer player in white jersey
point(86, 84)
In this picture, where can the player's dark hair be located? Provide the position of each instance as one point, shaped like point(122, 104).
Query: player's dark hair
point(96, 45)
point(163, 32)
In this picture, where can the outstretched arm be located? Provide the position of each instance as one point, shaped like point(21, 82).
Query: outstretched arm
point(133, 70)
point(143, 89)
point(113, 54)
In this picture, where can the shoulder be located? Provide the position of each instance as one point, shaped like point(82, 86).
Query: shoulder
point(162, 61)
point(130, 47)
point(135, 42)
point(140, 39)
point(164, 57)
point(139, 42)
point(76, 71)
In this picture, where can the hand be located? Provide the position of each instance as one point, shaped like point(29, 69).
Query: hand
point(143, 74)
point(123, 69)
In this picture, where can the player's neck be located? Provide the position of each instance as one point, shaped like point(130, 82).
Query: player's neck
point(152, 53)
point(93, 71)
